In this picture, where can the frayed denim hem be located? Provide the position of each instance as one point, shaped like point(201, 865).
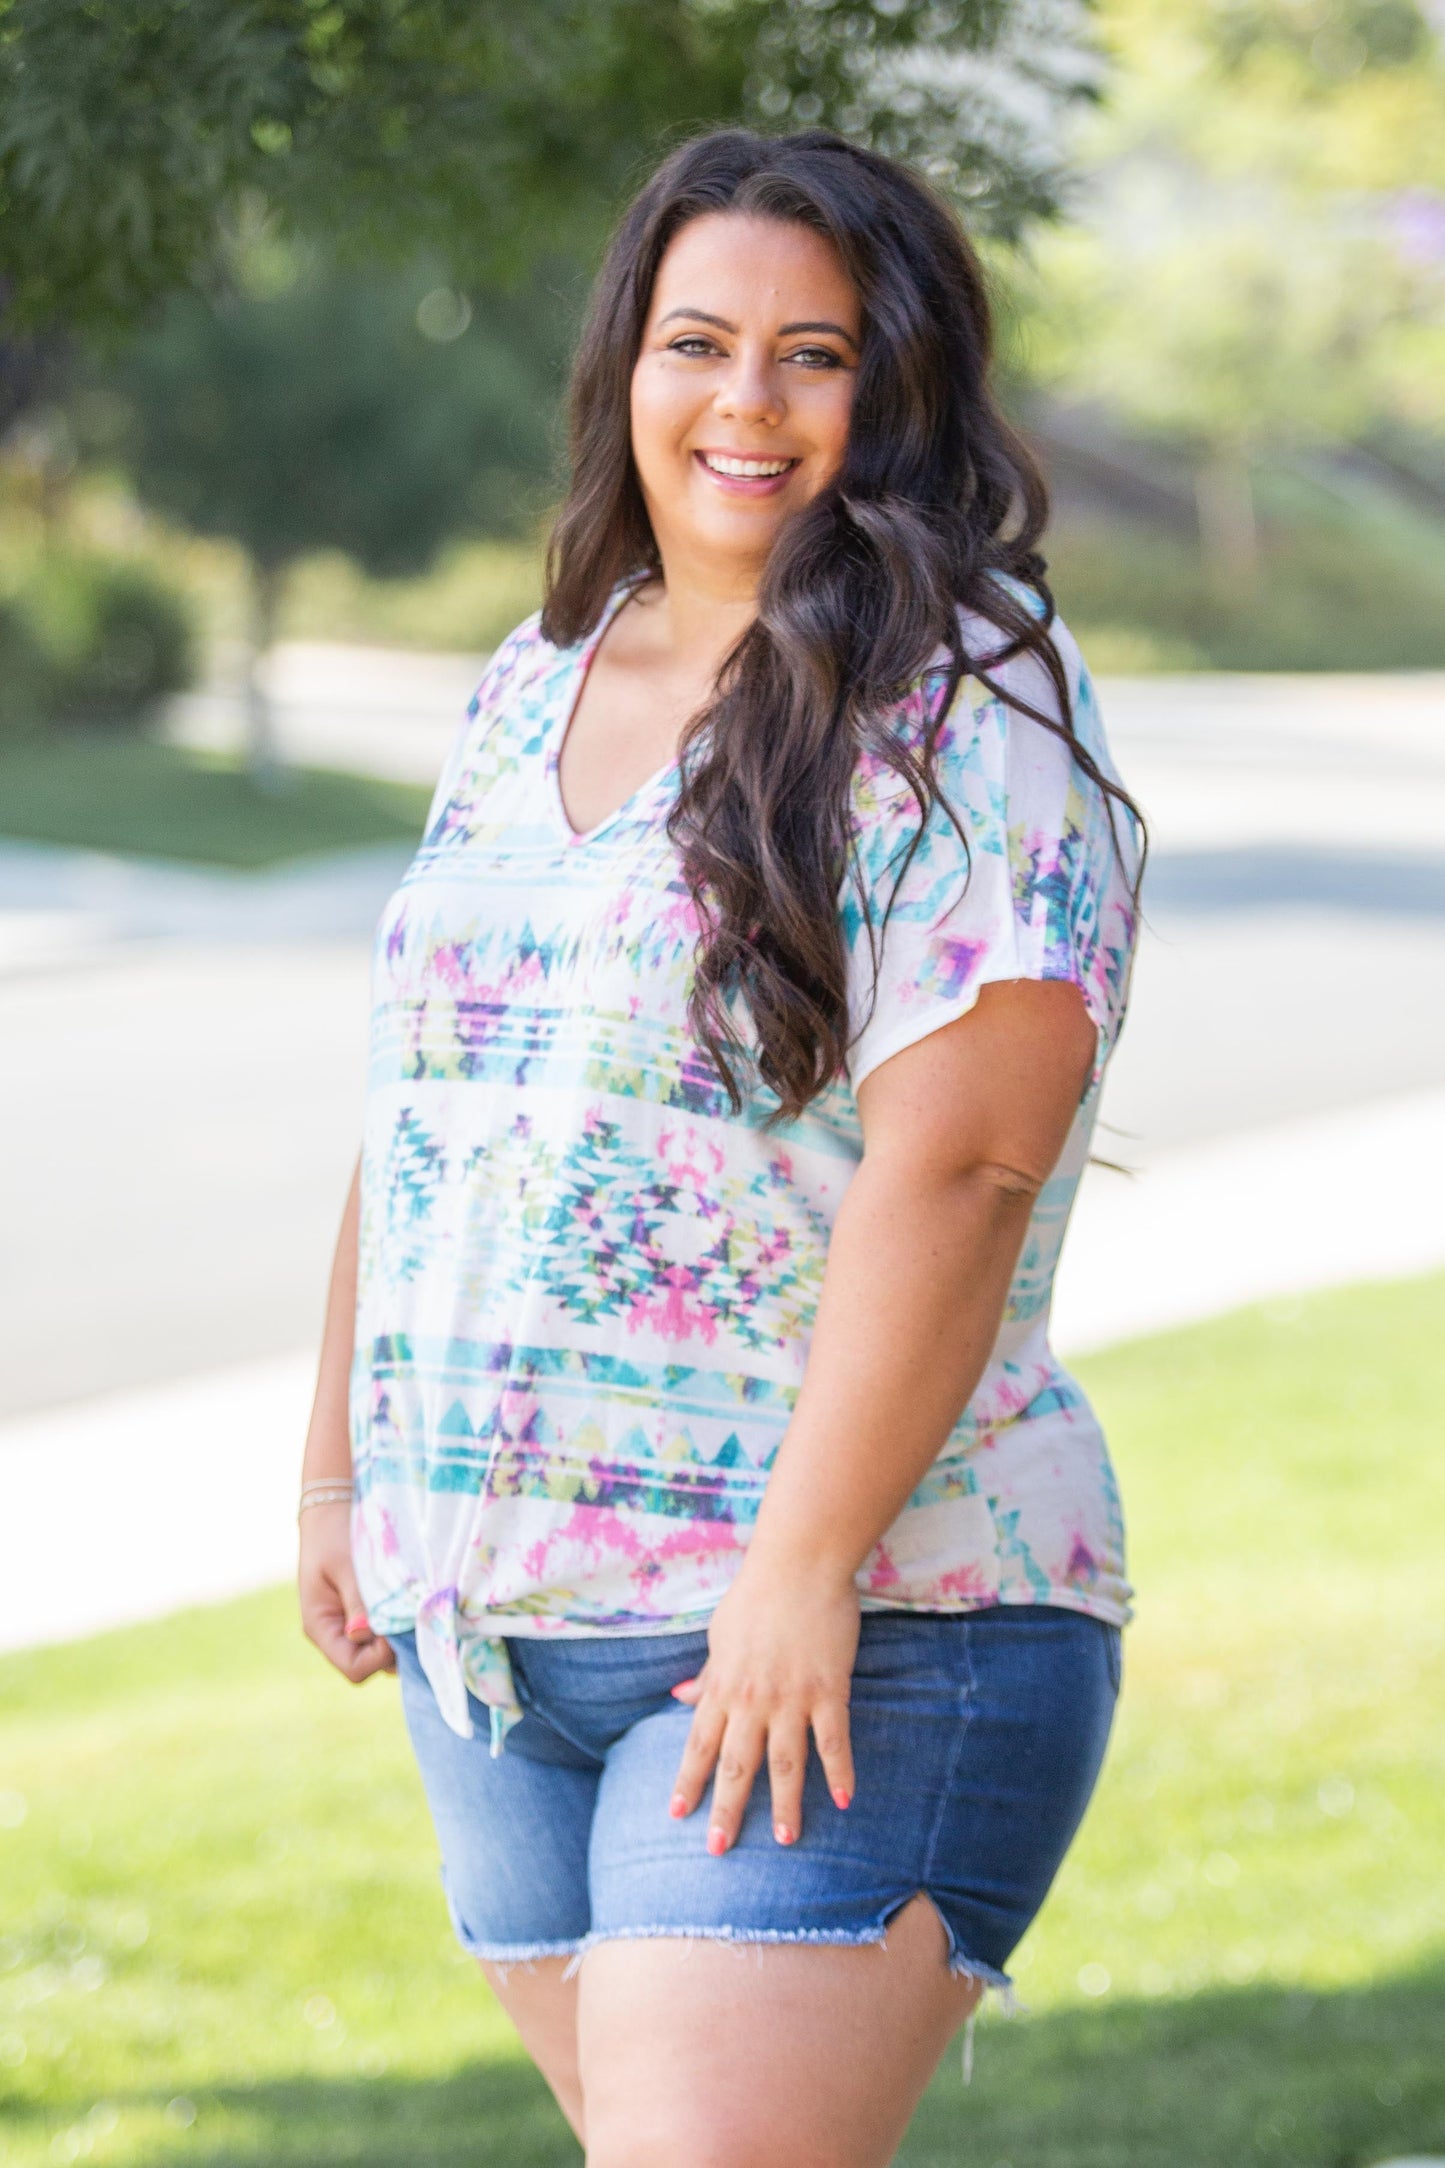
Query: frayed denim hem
point(844, 1937)
point(998, 1984)
point(502, 1953)
point(506, 1954)
point(960, 1966)
point(987, 1976)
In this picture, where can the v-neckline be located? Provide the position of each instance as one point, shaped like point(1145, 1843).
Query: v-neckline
point(582, 667)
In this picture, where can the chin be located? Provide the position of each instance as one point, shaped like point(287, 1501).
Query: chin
point(741, 530)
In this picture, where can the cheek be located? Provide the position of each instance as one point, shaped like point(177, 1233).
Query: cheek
point(662, 405)
point(829, 427)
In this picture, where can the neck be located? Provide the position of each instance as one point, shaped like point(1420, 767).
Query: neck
point(701, 608)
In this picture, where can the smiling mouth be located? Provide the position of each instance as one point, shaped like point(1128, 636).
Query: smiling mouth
point(738, 467)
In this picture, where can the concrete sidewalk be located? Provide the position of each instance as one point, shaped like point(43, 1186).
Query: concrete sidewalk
point(186, 1493)
point(62, 908)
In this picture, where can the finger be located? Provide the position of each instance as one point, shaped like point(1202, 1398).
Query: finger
point(373, 1654)
point(835, 1749)
point(787, 1762)
point(326, 1616)
point(378, 1655)
point(326, 1632)
point(690, 1691)
point(739, 1760)
point(361, 1661)
point(369, 1652)
point(698, 1756)
point(349, 1591)
point(326, 1629)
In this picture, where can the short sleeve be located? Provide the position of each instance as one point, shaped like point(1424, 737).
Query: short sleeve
point(1032, 877)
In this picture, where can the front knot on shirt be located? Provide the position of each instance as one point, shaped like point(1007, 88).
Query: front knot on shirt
point(463, 1666)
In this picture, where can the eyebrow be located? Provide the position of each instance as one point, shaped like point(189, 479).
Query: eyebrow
point(785, 331)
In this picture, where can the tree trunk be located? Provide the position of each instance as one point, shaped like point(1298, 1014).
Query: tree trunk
point(263, 762)
point(1228, 527)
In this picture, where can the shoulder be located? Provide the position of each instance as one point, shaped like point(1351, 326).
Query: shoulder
point(1049, 679)
point(1020, 715)
point(512, 662)
point(527, 667)
point(1003, 753)
point(504, 717)
point(991, 722)
point(1004, 680)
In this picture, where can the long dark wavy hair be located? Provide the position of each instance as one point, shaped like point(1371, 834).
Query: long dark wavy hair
point(937, 498)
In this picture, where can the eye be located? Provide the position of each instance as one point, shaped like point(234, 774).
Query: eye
point(817, 357)
point(692, 344)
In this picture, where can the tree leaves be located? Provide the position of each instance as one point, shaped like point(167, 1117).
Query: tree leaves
point(130, 135)
point(328, 416)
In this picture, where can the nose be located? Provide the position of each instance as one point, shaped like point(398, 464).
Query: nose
point(752, 390)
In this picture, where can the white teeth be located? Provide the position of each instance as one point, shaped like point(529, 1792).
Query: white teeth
point(722, 464)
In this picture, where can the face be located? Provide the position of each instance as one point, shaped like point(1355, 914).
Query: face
point(742, 387)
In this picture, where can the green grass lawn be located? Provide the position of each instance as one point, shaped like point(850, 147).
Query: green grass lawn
point(223, 1940)
point(149, 799)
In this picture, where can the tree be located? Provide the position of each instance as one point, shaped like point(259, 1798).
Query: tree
point(132, 137)
point(1259, 256)
point(371, 414)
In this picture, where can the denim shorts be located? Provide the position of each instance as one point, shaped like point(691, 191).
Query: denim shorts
point(976, 1739)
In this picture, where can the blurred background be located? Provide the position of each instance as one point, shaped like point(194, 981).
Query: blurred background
point(287, 292)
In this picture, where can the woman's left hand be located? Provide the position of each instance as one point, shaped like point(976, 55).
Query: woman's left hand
point(779, 1665)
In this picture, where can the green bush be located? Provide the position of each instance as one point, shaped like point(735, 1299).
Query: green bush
point(24, 673)
point(1339, 587)
point(93, 642)
point(119, 641)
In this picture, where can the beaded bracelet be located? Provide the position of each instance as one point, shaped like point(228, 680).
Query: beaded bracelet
point(328, 1491)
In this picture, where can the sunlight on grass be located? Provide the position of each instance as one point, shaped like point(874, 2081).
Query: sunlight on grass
point(141, 796)
point(224, 1941)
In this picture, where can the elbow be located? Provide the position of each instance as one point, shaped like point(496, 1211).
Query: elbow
point(977, 1190)
point(979, 1186)
point(1002, 1183)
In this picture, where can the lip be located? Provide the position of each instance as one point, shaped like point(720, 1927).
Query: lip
point(745, 485)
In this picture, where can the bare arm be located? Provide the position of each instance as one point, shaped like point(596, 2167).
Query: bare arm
point(331, 1608)
point(328, 1435)
point(960, 1133)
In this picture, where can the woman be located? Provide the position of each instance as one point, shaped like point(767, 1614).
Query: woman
point(737, 1037)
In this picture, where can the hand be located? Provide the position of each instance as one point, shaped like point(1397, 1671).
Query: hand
point(780, 1664)
point(332, 1616)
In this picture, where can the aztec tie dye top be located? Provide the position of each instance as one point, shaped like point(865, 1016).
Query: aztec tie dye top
point(587, 1286)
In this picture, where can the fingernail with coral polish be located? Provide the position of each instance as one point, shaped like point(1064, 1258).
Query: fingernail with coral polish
point(842, 1798)
point(782, 1832)
point(717, 1842)
point(357, 1623)
point(678, 1807)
